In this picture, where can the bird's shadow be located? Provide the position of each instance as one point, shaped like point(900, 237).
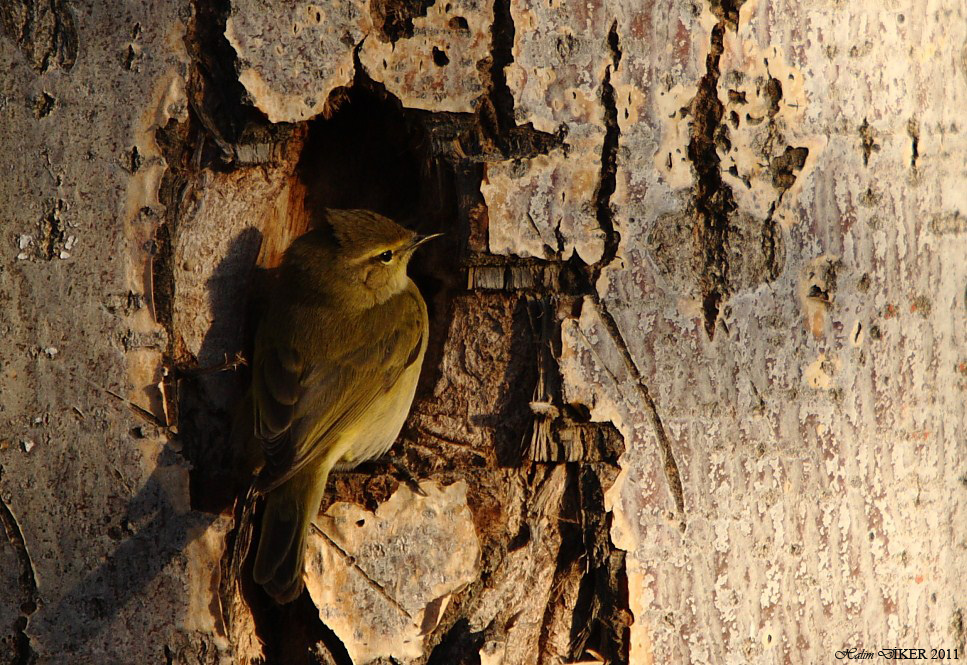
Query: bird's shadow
point(157, 532)
point(156, 528)
point(207, 400)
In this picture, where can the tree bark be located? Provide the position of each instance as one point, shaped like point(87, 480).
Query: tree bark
point(695, 386)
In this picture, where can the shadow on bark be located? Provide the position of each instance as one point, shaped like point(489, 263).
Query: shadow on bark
point(207, 401)
point(143, 553)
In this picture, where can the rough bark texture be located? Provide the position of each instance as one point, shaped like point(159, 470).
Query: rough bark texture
point(695, 390)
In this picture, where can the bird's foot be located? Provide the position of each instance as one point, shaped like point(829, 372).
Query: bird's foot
point(403, 473)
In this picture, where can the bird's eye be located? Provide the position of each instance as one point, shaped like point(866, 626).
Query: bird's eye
point(386, 256)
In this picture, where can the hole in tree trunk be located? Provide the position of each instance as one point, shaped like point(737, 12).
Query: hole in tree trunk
point(370, 152)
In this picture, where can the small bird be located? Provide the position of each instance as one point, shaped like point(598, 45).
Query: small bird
point(336, 362)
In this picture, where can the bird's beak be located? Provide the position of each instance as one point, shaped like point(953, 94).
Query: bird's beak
point(419, 240)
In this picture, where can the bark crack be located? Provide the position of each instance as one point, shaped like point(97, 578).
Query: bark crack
point(605, 215)
point(913, 131)
point(714, 201)
point(501, 111)
point(495, 112)
point(352, 563)
point(672, 474)
point(226, 130)
point(609, 160)
point(53, 230)
point(28, 584)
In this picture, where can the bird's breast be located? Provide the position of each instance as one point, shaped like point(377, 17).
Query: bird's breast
point(375, 431)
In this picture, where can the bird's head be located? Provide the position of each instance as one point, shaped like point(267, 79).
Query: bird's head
point(366, 258)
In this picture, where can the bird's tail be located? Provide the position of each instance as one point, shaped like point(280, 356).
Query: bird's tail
point(289, 509)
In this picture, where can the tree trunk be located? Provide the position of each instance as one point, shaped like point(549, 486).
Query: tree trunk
point(695, 387)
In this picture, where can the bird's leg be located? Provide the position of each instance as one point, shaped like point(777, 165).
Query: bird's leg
point(228, 364)
point(399, 470)
point(399, 465)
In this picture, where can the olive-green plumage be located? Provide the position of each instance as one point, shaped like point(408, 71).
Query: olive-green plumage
point(337, 358)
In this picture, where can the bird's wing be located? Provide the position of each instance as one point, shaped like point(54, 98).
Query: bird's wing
point(302, 403)
point(276, 373)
